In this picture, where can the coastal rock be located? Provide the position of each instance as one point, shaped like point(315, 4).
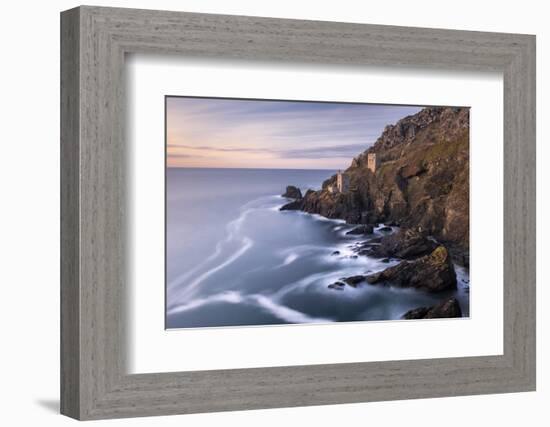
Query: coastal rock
point(295, 205)
point(405, 244)
point(292, 192)
point(353, 281)
point(361, 229)
point(375, 240)
point(432, 273)
point(445, 309)
point(422, 180)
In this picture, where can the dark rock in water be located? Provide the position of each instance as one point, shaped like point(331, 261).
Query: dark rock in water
point(432, 273)
point(392, 224)
point(353, 280)
point(375, 240)
point(386, 260)
point(385, 229)
point(292, 192)
point(445, 309)
point(361, 229)
point(416, 313)
point(406, 244)
point(336, 253)
point(339, 286)
point(296, 205)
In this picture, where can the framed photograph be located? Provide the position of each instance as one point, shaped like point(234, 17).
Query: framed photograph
point(262, 213)
point(240, 175)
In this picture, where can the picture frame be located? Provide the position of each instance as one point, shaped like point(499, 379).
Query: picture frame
point(94, 381)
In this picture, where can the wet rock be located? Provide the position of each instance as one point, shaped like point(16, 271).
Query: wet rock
point(361, 229)
point(295, 205)
point(460, 256)
point(385, 229)
point(292, 192)
point(386, 260)
point(445, 309)
point(336, 253)
point(432, 273)
point(339, 286)
point(406, 244)
point(353, 281)
point(416, 313)
point(374, 240)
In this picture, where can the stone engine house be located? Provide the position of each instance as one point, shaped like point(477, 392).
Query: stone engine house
point(372, 162)
point(342, 182)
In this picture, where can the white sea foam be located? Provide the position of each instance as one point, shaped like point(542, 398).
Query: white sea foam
point(228, 297)
point(268, 304)
point(290, 258)
point(191, 288)
point(285, 313)
point(232, 230)
point(325, 219)
point(320, 278)
point(183, 277)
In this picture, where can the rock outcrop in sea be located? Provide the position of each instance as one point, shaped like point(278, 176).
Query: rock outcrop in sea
point(432, 273)
point(292, 192)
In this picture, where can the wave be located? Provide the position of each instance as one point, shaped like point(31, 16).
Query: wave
point(285, 313)
point(325, 219)
point(288, 260)
point(183, 277)
point(231, 297)
point(233, 229)
point(280, 311)
point(189, 290)
point(322, 278)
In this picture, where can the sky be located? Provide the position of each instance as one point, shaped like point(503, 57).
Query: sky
point(233, 133)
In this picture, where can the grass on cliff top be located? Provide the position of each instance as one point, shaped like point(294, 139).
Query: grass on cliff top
point(447, 150)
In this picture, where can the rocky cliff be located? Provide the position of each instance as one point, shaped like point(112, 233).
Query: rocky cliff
point(421, 182)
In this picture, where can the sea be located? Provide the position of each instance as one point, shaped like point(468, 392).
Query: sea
point(234, 259)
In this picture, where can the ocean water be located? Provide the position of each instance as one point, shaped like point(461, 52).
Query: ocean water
point(234, 259)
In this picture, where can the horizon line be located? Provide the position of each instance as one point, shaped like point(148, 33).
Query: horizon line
point(206, 167)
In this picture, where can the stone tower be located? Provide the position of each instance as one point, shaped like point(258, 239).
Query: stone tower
point(342, 182)
point(372, 162)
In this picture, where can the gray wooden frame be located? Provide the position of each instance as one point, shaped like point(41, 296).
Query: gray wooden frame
point(94, 41)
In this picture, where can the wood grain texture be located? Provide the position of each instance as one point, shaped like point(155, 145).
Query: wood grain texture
point(70, 221)
point(94, 197)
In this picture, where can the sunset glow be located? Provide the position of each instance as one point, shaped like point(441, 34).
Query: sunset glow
point(229, 133)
